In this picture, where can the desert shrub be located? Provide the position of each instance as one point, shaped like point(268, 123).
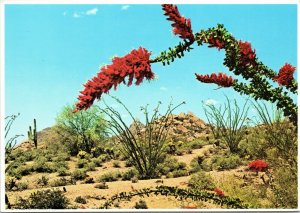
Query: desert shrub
point(22, 186)
point(43, 181)
point(79, 174)
point(206, 165)
point(109, 177)
point(62, 156)
point(57, 165)
point(180, 173)
point(201, 181)
point(60, 182)
point(129, 174)
point(116, 164)
point(47, 199)
point(196, 164)
point(63, 171)
point(225, 162)
point(196, 144)
point(82, 163)
point(18, 169)
point(104, 158)
point(10, 183)
point(134, 179)
point(41, 165)
point(169, 175)
point(171, 164)
point(101, 186)
point(97, 161)
point(80, 199)
point(30, 155)
point(141, 204)
point(91, 166)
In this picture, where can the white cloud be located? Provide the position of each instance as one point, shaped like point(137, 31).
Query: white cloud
point(125, 7)
point(210, 102)
point(163, 88)
point(92, 11)
point(76, 15)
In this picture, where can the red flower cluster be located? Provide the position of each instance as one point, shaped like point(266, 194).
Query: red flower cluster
point(285, 75)
point(258, 165)
point(219, 192)
point(214, 42)
point(181, 25)
point(134, 65)
point(247, 54)
point(221, 79)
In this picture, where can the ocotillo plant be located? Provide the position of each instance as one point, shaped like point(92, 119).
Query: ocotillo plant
point(32, 134)
point(261, 82)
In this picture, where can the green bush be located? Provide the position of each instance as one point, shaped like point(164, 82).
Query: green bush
point(18, 169)
point(41, 165)
point(170, 165)
point(97, 162)
point(195, 166)
point(129, 174)
point(91, 166)
point(60, 182)
point(224, 163)
point(79, 174)
point(47, 199)
point(206, 165)
point(109, 177)
point(62, 171)
point(82, 163)
point(180, 173)
point(81, 200)
point(201, 181)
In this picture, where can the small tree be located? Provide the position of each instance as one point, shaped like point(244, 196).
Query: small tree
point(228, 123)
point(82, 130)
point(143, 145)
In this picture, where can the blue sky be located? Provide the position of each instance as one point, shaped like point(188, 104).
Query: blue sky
point(51, 50)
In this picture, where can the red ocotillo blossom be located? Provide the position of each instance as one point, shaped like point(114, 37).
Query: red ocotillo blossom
point(221, 79)
point(219, 192)
point(215, 42)
point(181, 25)
point(285, 75)
point(258, 165)
point(247, 54)
point(134, 65)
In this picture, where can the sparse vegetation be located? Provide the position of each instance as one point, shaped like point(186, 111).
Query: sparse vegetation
point(47, 199)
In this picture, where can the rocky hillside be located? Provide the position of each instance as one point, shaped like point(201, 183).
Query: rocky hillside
point(182, 127)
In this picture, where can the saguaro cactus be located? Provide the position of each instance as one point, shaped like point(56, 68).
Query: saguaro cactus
point(32, 134)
